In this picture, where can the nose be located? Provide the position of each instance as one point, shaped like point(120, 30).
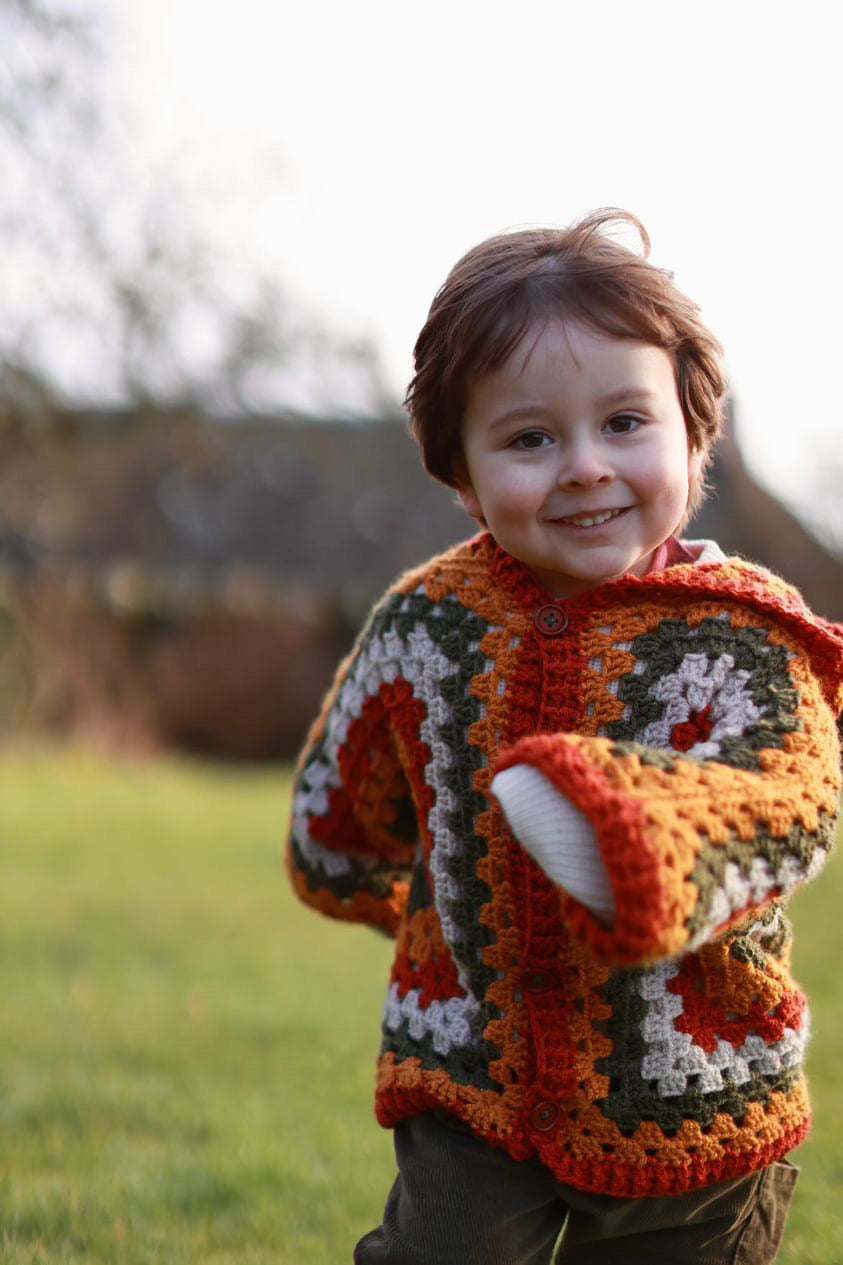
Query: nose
point(584, 464)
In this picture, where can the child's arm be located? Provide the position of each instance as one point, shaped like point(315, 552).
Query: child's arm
point(354, 831)
point(657, 852)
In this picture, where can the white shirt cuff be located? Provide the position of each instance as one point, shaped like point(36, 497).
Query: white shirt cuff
point(557, 835)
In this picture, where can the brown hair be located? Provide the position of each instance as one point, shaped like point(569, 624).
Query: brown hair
point(504, 286)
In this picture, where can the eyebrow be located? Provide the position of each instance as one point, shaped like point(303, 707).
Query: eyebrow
point(624, 395)
point(521, 412)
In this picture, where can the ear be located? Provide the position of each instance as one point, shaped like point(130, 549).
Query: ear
point(469, 501)
point(465, 489)
point(696, 457)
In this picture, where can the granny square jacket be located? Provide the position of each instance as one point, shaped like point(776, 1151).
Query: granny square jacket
point(690, 715)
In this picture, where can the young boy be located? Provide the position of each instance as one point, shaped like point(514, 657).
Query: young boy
point(575, 766)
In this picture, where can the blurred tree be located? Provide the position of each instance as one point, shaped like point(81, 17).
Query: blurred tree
point(112, 294)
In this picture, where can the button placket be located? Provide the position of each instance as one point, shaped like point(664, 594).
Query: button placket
point(551, 619)
point(544, 1116)
point(537, 981)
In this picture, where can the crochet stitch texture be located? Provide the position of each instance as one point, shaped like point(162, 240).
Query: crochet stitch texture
point(690, 714)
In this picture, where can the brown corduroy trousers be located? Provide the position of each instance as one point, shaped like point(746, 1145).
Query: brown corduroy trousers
point(457, 1201)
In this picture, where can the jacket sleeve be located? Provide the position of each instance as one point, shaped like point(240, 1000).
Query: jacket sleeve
point(353, 834)
point(690, 840)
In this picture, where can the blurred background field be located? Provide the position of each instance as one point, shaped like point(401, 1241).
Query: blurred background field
point(187, 1055)
point(186, 1069)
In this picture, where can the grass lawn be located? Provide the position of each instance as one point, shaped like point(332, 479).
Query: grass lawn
point(186, 1059)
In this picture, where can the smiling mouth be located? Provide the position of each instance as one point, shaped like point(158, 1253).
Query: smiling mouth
point(590, 520)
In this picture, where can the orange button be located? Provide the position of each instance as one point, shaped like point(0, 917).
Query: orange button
point(551, 620)
point(537, 981)
point(544, 1116)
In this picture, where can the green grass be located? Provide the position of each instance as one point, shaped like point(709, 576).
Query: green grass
point(187, 1055)
point(186, 1058)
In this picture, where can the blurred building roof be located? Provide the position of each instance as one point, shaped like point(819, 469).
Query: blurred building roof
point(333, 509)
point(160, 508)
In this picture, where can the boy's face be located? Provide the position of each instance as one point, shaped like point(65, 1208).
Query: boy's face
point(576, 455)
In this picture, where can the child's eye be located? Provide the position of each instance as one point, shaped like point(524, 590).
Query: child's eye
point(623, 424)
point(531, 439)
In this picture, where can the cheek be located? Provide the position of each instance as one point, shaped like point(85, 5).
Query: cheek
point(667, 471)
point(525, 484)
point(517, 499)
point(504, 491)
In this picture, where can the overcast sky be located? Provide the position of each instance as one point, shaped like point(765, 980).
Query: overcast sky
point(360, 148)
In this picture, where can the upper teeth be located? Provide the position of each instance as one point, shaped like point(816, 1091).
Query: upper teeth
point(591, 520)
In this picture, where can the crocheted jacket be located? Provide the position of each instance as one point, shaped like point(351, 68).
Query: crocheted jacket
point(690, 715)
